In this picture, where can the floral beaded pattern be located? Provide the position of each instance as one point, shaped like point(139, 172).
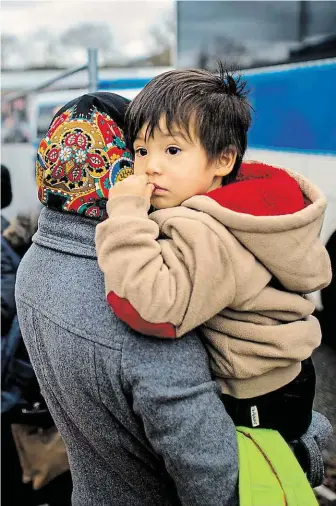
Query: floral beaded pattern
point(78, 160)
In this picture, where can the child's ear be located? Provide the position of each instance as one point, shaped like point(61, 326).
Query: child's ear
point(226, 161)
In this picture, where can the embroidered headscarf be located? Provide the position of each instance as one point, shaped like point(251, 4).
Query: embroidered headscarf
point(83, 154)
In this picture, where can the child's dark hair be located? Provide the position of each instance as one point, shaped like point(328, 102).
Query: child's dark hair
point(217, 101)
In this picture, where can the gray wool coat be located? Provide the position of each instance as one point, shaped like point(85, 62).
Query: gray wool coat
point(141, 418)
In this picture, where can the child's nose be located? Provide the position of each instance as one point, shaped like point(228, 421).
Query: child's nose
point(153, 169)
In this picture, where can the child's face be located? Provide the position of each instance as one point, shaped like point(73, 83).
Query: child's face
point(177, 166)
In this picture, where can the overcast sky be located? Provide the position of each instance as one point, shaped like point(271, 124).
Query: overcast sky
point(128, 20)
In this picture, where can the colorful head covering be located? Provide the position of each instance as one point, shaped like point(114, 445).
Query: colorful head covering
point(83, 154)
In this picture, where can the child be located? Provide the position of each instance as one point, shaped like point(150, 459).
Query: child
point(231, 247)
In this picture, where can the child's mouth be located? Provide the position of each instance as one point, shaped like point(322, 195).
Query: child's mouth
point(158, 190)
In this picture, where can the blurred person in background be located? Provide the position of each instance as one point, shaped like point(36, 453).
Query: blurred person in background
point(22, 406)
point(6, 194)
point(9, 259)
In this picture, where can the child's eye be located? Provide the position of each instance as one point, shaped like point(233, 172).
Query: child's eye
point(173, 150)
point(141, 152)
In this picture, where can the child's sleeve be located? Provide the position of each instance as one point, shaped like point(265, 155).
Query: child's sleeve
point(162, 286)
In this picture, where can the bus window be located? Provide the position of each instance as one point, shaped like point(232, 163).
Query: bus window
point(254, 34)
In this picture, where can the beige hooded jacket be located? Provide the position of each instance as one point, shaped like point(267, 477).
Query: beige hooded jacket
point(236, 261)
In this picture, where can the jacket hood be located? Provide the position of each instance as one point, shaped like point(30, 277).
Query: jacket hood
point(277, 215)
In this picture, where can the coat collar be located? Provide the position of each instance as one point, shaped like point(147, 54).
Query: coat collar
point(67, 233)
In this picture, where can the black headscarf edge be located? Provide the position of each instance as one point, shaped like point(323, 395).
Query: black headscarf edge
point(110, 103)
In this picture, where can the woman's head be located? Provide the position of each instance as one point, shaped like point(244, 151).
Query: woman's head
point(83, 153)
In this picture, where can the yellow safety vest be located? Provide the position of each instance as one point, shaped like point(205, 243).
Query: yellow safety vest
point(269, 474)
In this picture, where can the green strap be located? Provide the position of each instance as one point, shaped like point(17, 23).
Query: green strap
point(269, 474)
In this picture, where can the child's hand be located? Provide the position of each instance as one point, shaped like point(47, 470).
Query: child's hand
point(133, 185)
